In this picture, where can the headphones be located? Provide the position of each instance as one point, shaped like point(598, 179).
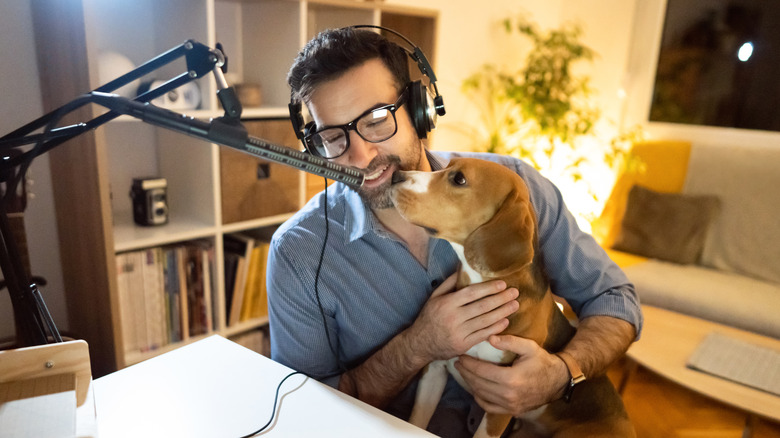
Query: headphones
point(423, 105)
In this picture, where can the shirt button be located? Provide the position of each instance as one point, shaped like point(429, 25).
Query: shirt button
point(435, 283)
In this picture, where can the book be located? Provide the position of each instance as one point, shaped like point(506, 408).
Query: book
point(184, 312)
point(153, 291)
point(253, 278)
point(124, 270)
point(134, 266)
point(230, 260)
point(238, 292)
point(261, 309)
point(260, 302)
point(172, 293)
point(242, 246)
point(207, 257)
point(195, 289)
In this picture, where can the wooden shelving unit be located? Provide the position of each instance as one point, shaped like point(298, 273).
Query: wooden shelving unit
point(92, 173)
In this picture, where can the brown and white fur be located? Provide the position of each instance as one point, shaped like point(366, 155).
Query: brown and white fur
point(483, 209)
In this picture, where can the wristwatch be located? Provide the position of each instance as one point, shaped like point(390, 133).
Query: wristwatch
point(577, 376)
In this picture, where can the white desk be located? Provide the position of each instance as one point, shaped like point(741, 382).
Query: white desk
point(216, 388)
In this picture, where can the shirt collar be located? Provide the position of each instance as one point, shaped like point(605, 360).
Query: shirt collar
point(436, 162)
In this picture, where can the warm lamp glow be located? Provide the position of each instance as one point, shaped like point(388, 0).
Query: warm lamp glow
point(585, 195)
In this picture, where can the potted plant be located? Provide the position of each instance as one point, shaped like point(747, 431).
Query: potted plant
point(544, 114)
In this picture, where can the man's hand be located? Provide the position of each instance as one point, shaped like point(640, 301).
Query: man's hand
point(535, 377)
point(451, 322)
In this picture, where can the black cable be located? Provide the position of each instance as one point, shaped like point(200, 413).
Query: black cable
point(317, 281)
point(273, 412)
point(322, 313)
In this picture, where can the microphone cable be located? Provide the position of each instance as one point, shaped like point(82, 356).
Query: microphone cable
point(322, 314)
point(273, 411)
point(341, 366)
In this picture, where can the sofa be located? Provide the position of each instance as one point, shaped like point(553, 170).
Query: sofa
point(697, 230)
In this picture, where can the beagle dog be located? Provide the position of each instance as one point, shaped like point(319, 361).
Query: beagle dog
point(483, 209)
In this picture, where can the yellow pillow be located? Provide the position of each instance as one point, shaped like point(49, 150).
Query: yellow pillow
point(664, 166)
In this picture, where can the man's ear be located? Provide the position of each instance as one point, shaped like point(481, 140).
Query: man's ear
point(505, 243)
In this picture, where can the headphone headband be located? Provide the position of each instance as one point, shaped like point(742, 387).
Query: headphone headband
point(418, 56)
point(424, 106)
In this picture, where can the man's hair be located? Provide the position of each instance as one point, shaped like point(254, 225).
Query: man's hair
point(334, 51)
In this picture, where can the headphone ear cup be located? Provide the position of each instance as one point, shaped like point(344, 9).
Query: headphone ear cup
point(310, 127)
point(418, 109)
point(296, 118)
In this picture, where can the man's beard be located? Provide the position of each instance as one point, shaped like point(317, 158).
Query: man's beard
point(379, 197)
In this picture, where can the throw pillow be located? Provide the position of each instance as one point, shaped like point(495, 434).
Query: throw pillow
point(666, 226)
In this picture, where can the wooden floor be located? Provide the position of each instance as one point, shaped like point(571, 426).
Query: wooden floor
point(661, 409)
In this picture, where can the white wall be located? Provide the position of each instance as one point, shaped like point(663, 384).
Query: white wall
point(469, 35)
point(20, 103)
point(607, 26)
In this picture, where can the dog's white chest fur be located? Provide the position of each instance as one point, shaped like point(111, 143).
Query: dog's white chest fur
point(474, 276)
point(434, 378)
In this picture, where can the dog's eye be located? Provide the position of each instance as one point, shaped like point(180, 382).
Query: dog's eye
point(458, 179)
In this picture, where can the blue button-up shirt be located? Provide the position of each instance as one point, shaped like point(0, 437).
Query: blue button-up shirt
point(371, 287)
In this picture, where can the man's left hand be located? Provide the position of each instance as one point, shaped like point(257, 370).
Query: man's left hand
point(535, 378)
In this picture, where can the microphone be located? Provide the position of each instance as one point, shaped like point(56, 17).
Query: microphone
point(230, 134)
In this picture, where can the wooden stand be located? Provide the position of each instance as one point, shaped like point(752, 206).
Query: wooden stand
point(37, 387)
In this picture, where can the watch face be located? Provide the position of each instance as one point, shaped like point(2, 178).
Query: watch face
point(574, 381)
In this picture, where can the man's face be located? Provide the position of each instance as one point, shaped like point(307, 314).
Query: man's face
point(341, 100)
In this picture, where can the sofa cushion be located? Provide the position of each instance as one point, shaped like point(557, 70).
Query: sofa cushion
point(745, 238)
point(666, 226)
point(663, 164)
point(723, 297)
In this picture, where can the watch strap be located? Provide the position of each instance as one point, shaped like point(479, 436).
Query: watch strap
point(577, 376)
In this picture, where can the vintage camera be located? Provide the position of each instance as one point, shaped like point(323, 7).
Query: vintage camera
point(150, 201)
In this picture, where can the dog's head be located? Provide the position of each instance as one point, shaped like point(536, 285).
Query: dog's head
point(475, 203)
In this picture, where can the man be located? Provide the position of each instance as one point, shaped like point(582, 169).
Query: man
point(378, 305)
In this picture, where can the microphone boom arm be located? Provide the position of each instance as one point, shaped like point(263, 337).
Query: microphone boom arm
point(34, 325)
point(223, 131)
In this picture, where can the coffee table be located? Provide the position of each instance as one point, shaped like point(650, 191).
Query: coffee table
point(668, 340)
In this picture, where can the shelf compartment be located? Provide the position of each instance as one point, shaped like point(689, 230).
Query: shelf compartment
point(327, 15)
point(140, 30)
point(253, 188)
point(257, 36)
point(137, 150)
point(129, 236)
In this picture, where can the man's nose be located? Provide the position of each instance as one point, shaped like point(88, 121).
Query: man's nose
point(360, 152)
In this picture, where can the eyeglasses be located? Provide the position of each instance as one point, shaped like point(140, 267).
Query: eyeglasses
point(374, 126)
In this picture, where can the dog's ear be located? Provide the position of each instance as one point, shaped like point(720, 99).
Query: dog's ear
point(506, 242)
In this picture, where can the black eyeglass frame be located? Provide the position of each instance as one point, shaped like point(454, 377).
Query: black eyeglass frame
point(352, 126)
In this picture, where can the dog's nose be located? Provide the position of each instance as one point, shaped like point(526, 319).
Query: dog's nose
point(398, 177)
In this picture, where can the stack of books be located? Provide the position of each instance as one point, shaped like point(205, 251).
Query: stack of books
point(167, 294)
point(245, 286)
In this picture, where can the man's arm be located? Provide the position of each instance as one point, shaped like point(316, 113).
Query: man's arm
point(448, 325)
point(600, 341)
point(537, 377)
